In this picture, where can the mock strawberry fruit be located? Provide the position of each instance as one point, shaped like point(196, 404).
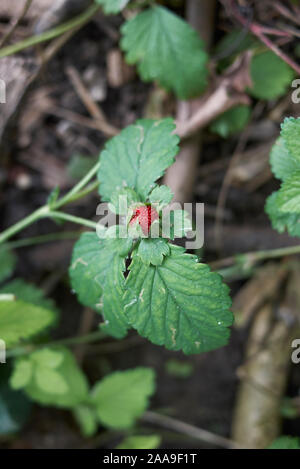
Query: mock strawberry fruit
point(145, 215)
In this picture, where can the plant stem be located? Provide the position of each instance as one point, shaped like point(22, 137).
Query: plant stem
point(248, 259)
point(46, 211)
point(271, 254)
point(73, 219)
point(257, 30)
point(36, 215)
point(188, 429)
point(48, 238)
point(52, 33)
point(84, 339)
point(90, 188)
point(75, 190)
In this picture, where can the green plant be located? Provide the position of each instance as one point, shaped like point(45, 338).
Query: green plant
point(50, 376)
point(165, 286)
point(132, 279)
point(168, 296)
point(285, 442)
point(232, 121)
point(283, 206)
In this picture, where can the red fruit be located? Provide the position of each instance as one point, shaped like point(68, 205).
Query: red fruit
point(146, 215)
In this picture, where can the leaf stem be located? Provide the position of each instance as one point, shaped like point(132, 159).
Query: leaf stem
point(22, 224)
point(77, 188)
point(78, 191)
point(84, 339)
point(72, 218)
point(80, 195)
point(48, 238)
point(51, 34)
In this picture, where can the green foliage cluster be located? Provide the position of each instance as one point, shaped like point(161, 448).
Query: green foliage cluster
point(168, 297)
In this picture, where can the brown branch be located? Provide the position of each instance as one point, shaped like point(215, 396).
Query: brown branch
point(257, 30)
point(190, 430)
point(82, 120)
point(228, 93)
point(94, 110)
point(285, 12)
point(256, 421)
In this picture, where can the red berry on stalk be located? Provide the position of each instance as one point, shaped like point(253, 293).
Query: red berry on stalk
point(145, 215)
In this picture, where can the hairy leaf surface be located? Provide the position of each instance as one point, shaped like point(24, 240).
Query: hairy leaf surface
point(166, 49)
point(137, 157)
point(180, 304)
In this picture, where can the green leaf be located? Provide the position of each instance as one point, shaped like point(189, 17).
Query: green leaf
point(161, 195)
point(29, 293)
point(179, 369)
point(15, 407)
point(86, 419)
point(96, 265)
point(288, 409)
point(282, 163)
point(8, 262)
point(20, 320)
point(21, 374)
point(50, 381)
point(282, 221)
point(137, 157)
point(122, 200)
point(285, 442)
point(121, 397)
point(140, 442)
point(180, 304)
point(290, 132)
point(232, 44)
point(117, 240)
point(232, 121)
point(270, 75)
point(48, 357)
point(63, 386)
point(112, 6)
point(289, 194)
point(90, 262)
point(153, 250)
point(166, 49)
point(115, 320)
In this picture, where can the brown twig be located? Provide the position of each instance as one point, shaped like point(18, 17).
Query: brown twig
point(84, 121)
point(15, 23)
point(274, 31)
point(190, 430)
point(83, 93)
point(91, 106)
point(220, 100)
point(89, 103)
point(284, 11)
point(228, 93)
point(257, 30)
